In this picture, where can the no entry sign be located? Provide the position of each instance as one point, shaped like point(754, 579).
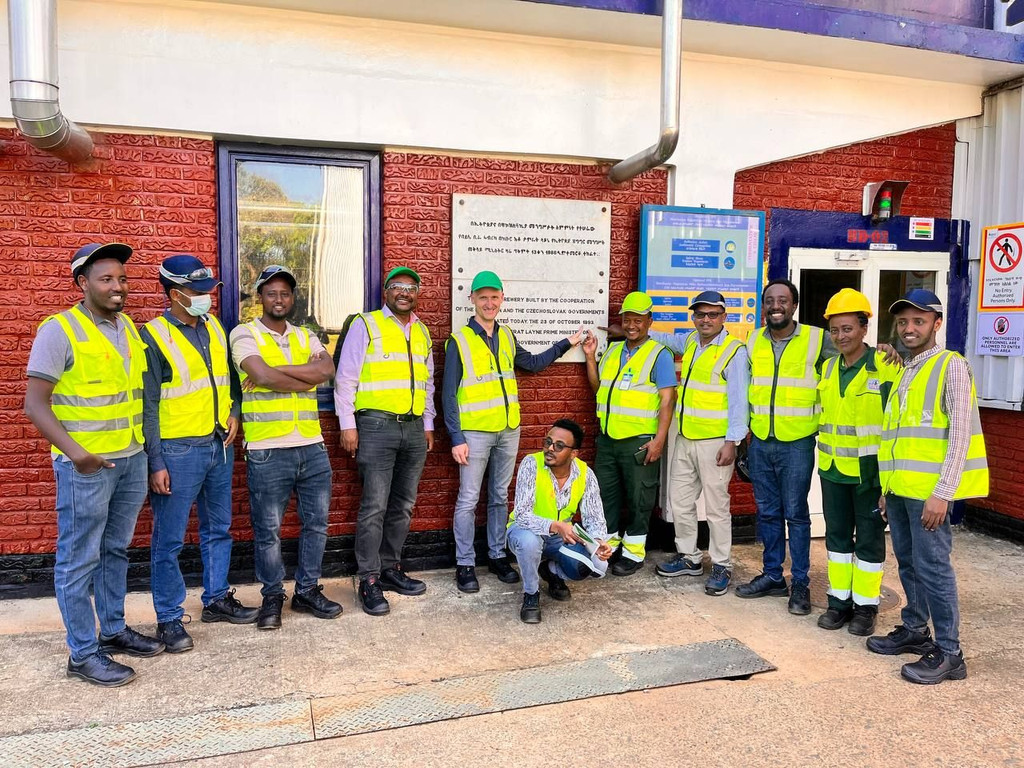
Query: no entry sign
point(1002, 268)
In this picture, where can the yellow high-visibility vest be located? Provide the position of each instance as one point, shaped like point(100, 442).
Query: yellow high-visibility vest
point(915, 437)
point(789, 391)
point(545, 503)
point(488, 395)
point(267, 414)
point(851, 423)
point(627, 400)
point(187, 401)
point(702, 402)
point(96, 400)
point(394, 374)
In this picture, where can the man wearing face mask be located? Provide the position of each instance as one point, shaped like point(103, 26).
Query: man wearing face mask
point(191, 417)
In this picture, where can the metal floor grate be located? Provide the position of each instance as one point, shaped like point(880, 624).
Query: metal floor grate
point(274, 725)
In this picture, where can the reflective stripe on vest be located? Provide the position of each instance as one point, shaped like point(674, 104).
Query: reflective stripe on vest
point(96, 400)
point(394, 373)
point(488, 395)
point(915, 437)
point(702, 403)
point(267, 414)
point(545, 502)
point(627, 399)
point(187, 400)
point(851, 423)
point(789, 390)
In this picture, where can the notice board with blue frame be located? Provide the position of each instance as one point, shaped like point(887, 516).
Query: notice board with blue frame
point(684, 251)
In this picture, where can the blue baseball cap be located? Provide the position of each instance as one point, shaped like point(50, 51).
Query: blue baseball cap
point(714, 298)
point(187, 271)
point(919, 298)
point(87, 254)
point(272, 271)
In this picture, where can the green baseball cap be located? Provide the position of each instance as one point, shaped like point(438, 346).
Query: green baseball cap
point(398, 271)
point(486, 279)
point(637, 302)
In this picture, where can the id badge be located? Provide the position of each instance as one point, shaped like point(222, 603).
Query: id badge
point(626, 381)
point(874, 385)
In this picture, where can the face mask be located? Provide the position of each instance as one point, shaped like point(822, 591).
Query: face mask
point(200, 305)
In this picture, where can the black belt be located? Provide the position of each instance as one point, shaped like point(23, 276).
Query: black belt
point(388, 415)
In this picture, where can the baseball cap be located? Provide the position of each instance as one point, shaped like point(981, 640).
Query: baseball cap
point(919, 298)
point(486, 279)
point(93, 251)
point(713, 298)
point(188, 272)
point(398, 272)
point(270, 272)
point(637, 302)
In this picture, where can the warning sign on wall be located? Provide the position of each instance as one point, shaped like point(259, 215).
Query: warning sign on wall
point(1001, 334)
point(1002, 268)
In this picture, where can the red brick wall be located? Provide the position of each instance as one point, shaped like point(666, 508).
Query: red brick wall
point(1004, 442)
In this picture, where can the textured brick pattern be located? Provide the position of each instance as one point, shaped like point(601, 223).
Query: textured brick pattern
point(1004, 442)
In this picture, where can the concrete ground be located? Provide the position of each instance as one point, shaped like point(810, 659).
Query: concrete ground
point(829, 702)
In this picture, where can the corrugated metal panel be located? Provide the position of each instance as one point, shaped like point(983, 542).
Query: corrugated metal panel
point(988, 189)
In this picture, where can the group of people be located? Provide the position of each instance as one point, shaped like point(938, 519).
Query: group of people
point(156, 410)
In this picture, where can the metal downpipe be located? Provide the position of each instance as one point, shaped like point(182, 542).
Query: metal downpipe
point(671, 64)
point(34, 93)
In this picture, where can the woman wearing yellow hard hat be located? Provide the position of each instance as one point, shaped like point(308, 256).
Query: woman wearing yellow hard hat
point(853, 390)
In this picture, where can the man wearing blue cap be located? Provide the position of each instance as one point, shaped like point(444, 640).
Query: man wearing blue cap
point(191, 416)
point(84, 396)
point(552, 488)
point(932, 454)
point(635, 388)
point(711, 421)
point(480, 398)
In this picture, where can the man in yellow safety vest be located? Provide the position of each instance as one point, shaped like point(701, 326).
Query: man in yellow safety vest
point(480, 399)
point(932, 454)
point(85, 396)
point(280, 366)
point(635, 386)
point(190, 418)
point(384, 398)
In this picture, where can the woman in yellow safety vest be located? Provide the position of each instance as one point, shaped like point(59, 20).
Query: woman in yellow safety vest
point(852, 392)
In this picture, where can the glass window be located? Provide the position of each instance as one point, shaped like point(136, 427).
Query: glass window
point(315, 212)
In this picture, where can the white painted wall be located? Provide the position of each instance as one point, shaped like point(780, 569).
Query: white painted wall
point(229, 70)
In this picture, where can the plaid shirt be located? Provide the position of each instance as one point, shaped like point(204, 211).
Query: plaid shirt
point(956, 403)
point(591, 510)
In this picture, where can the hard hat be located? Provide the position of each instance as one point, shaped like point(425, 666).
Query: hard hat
point(848, 301)
point(637, 302)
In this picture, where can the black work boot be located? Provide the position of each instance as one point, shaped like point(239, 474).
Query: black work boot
point(901, 640)
point(131, 643)
point(465, 579)
point(556, 585)
point(799, 599)
point(530, 612)
point(863, 622)
point(501, 568)
point(835, 618)
point(174, 637)
point(313, 601)
point(270, 612)
point(371, 597)
point(934, 667)
point(230, 610)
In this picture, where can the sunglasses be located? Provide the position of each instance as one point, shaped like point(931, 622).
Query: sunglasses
point(203, 273)
point(708, 315)
point(558, 445)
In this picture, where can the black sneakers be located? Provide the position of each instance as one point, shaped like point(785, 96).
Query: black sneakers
point(465, 579)
point(530, 612)
point(131, 643)
point(834, 618)
point(626, 566)
point(371, 597)
point(556, 585)
point(501, 568)
point(230, 610)
point(397, 580)
point(863, 622)
point(270, 612)
point(174, 637)
point(763, 585)
point(313, 601)
point(799, 599)
point(934, 667)
point(100, 669)
point(901, 640)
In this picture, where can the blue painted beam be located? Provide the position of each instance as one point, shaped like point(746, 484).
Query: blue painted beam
point(842, 23)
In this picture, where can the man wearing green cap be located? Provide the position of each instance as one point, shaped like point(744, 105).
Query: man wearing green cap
point(384, 398)
point(480, 399)
point(635, 386)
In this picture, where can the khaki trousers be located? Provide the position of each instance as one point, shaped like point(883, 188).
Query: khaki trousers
point(692, 473)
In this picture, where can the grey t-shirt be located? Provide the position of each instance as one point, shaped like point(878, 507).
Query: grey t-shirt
point(52, 356)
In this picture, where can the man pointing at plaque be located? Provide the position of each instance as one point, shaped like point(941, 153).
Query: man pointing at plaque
point(480, 399)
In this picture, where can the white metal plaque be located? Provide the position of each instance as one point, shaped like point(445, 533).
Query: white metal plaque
point(551, 255)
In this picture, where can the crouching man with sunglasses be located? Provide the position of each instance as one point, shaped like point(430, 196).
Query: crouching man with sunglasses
point(551, 487)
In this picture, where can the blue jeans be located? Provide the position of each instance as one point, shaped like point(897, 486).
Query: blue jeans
point(531, 549)
point(273, 474)
point(926, 572)
point(200, 474)
point(391, 456)
point(780, 473)
point(496, 450)
point(95, 521)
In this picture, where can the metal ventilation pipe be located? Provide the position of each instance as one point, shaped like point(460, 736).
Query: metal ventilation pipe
point(33, 39)
point(671, 64)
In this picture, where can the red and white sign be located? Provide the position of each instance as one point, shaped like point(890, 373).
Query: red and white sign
point(1002, 268)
